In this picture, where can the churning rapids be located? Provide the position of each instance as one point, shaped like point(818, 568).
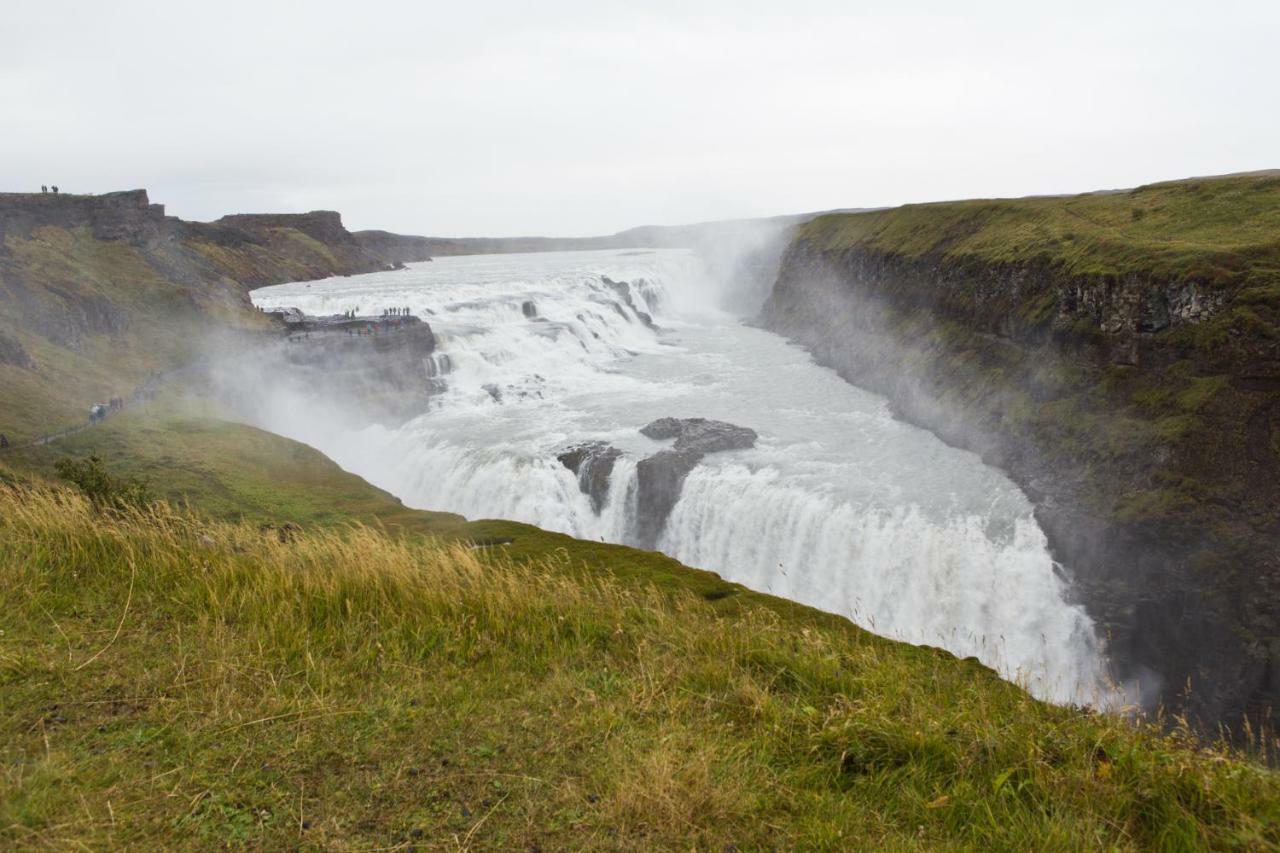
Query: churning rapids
point(838, 505)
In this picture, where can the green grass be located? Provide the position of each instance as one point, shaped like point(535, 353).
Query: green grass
point(97, 318)
point(171, 681)
point(232, 472)
point(1222, 231)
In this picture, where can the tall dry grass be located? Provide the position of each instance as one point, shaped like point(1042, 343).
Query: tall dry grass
point(212, 684)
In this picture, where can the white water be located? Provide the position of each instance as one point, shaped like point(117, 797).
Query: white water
point(838, 506)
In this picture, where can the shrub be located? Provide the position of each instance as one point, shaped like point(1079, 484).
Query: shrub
point(105, 491)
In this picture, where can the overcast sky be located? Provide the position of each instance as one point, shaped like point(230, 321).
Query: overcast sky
point(503, 118)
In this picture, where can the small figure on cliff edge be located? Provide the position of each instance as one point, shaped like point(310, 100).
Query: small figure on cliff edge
point(44, 188)
point(55, 189)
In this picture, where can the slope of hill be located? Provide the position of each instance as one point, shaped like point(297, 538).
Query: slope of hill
point(297, 659)
point(176, 681)
point(100, 293)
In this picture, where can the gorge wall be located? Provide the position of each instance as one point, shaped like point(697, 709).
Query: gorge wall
point(1119, 355)
point(99, 292)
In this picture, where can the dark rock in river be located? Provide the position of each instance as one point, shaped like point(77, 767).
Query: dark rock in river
point(592, 462)
point(623, 289)
point(528, 308)
point(700, 435)
point(660, 478)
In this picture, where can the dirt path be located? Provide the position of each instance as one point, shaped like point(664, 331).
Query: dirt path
point(141, 395)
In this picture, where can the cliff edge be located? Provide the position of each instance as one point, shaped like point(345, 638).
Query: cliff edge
point(1119, 355)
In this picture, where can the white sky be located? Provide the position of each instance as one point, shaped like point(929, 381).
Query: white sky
point(503, 118)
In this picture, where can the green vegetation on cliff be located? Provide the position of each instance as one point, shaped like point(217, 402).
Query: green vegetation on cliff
point(1221, 230)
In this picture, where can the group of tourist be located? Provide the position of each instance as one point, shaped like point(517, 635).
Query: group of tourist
point(44, 188)
point(395, 312)
point(98, 411)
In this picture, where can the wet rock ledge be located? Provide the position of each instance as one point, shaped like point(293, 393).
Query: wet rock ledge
point(385, 366)
point(659, 477)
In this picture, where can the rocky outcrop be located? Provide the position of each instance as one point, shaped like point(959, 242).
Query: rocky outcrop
point(660, 478)
point(375, 366)
point(699, 435)
point(1139, 410)
point(592, 462)
point(127, 216)
point(623, 289)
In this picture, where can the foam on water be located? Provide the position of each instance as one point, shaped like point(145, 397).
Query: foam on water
point(838, 506)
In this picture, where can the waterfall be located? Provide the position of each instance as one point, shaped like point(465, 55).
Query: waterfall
point(838, 505)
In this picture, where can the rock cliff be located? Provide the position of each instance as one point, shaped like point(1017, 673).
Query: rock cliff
point(1119, 355)
point(99, 292)
point(377, 367)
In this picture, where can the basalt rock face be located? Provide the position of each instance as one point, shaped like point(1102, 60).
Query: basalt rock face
point(660, 478)
point(1139, 411)
point(127, 216)
point(379, 368)
point(592, 462)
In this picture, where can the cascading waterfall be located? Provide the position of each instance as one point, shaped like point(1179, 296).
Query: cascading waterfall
point(838, 505)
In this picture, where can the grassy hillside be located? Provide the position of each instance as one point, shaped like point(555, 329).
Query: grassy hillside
point(1223, 230)
point(232, 472)
point(95, 318)
point(98, 293)
point(173, 681)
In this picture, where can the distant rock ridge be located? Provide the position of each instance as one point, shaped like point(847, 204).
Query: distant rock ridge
point(130, 217)
point(127, 216)
point(395, 248)
point(92, 280)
